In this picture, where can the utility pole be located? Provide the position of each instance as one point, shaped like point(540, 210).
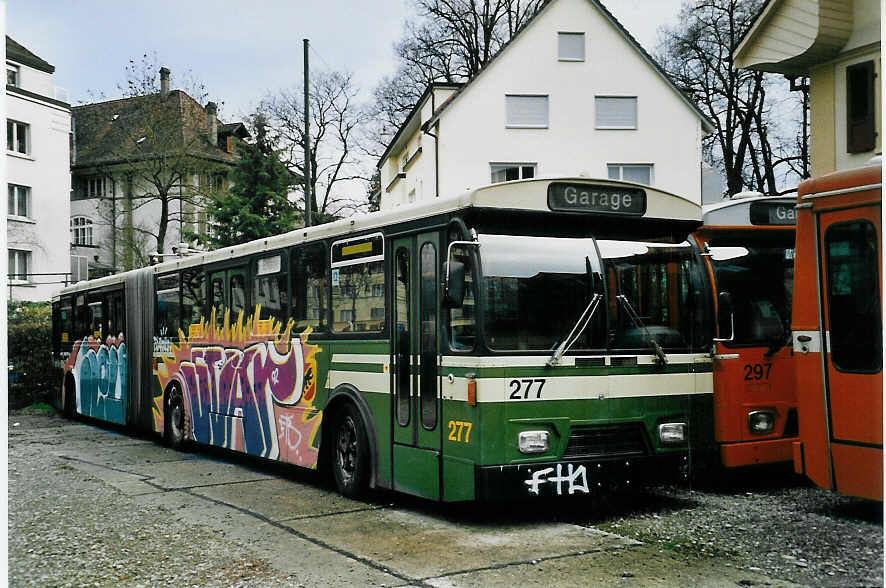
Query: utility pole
point(307, 165)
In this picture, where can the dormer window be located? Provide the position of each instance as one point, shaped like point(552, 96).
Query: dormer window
point(12, 75)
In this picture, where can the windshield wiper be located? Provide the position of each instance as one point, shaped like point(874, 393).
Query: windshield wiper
point(586, 315)
point(635, 318)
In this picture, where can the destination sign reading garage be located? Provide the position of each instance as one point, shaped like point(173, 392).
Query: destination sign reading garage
point(773, 213)
point(595, 198)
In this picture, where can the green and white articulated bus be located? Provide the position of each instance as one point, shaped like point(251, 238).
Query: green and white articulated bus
point(544, 337)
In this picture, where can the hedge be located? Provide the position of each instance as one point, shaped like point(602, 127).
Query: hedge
point(32, 378)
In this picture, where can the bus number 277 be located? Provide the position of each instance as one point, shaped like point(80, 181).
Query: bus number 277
point(527, 387)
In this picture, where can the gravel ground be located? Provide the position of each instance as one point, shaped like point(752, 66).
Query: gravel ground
point(768, 521)
point(152, 548)
point(765, 521)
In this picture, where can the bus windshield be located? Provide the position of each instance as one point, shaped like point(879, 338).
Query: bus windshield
point(759, 276)
point(536, 288)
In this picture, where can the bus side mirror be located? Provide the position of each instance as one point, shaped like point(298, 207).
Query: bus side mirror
point(725, 318)
point(454, 295)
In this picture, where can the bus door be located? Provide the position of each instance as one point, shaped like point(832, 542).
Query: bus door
point(227, 291)
point(416, 404)
point(850, 262)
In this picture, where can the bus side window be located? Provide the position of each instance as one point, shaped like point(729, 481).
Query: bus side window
point(96, 316)
point(66, 320)
point(81, 317)
point(193, 293)
point(358, 297)
point(166, 323)
point(310, 288)
point(116, 315)
point(269, 287)
point(56, 327)
point(462, 328)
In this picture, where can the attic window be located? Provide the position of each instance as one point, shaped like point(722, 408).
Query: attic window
point(571, 46)
point(11, 75)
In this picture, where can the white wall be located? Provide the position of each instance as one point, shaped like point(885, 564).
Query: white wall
point(472, 130)
point(46, 169)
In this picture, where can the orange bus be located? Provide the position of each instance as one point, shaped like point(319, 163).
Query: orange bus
point(837, 332)
point(748, 245)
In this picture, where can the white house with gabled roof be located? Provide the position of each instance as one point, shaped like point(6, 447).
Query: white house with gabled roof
point(572, 94)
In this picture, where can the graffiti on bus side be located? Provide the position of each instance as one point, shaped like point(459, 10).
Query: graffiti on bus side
point(99, 371)
point(248, 386)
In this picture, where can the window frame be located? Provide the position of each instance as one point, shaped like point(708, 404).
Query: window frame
point(15, 137)
point(518, 125)
point(599, 126)
point(584, 47)
point(861, 129)
point(621, 167)
point(17, 201)
point(16, 71)
point(17, 255)
point(504, 166)
point(86, 228)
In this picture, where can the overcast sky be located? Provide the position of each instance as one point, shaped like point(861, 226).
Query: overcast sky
point(239, 50)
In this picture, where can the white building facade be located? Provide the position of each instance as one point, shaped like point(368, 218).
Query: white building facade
point(38, 177)
point(572, 94)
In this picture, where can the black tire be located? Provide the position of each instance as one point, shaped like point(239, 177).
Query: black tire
point(174, 426)
point(350, 453)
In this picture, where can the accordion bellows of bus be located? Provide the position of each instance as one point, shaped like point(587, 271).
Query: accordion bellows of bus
point(543, 337)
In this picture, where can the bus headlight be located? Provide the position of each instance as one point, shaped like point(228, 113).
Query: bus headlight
point(533, 441)
point(761, 421)
point(671, 433)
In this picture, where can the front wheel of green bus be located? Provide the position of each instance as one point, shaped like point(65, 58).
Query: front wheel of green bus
point(350, 453)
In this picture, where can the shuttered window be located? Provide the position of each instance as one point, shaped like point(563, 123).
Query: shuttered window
point(571, 46)
point(860, 123)
point(616, 112)
point(526, 111)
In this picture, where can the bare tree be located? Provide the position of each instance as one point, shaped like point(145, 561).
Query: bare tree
point(336, 118)
point(450, 41)
point(748, 143)
point(154, 151)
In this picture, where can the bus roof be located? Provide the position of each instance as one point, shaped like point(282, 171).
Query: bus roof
point(751, 211)
point(839, 183)
point(550, 195)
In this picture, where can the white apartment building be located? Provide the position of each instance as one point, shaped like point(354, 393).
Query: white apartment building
point(572, 94)
point(38, 127)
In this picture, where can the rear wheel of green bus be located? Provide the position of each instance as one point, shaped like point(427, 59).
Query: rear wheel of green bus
point(350, 453)
point(174, 427)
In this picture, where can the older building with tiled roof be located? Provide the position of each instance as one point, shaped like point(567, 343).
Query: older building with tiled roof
point(38, 127)
point(140, 168)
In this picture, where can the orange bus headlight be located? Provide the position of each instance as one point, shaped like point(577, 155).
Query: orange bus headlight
point(761, 421)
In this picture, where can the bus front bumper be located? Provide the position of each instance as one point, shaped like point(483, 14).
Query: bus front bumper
point(578, 477)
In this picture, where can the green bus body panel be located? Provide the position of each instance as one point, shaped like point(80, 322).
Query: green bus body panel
point(417, 471)
point(458, 479)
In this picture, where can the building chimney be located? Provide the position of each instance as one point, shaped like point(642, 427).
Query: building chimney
point(164, 82)
point(212, 122)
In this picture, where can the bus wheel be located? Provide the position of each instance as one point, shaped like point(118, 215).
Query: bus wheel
point(174, 428)
point(350, 453)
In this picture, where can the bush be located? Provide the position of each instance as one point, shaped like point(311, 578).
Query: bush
point(31, 377)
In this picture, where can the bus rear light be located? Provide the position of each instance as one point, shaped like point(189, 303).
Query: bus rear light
point(472, 392)
point(761, 421)
point(533, 441)
point(671, 433)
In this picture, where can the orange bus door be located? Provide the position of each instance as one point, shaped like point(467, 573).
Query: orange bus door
point(850, 262)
